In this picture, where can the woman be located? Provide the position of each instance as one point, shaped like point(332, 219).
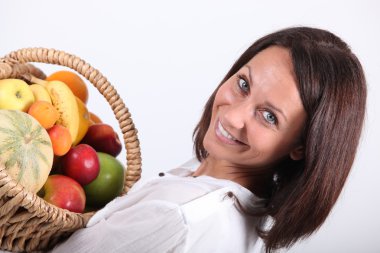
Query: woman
point(274, 147)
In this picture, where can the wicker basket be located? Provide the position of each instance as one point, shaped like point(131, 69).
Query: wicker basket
point(27, 222)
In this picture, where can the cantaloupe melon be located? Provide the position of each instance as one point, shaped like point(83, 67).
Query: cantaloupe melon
point(25, 149)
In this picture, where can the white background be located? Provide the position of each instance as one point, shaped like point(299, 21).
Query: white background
point(166, 57)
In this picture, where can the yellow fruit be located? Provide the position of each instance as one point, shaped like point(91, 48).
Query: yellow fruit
point(15, 94)
point(84, 121)
point(25, 149)
point(74, 81)
point(94, 118)
point(65, 102)
point(40, 93)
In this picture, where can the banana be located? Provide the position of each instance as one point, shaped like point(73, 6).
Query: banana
point(63, 99)
point(40, 93)
point(84, 121)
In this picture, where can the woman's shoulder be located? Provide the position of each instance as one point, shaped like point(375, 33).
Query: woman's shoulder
point(216, 217)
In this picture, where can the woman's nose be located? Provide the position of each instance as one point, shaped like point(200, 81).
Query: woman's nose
point(236, 116)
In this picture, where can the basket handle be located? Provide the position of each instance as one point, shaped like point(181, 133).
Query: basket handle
point(14, 64)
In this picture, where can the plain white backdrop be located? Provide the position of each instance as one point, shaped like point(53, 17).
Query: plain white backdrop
point(166, 57)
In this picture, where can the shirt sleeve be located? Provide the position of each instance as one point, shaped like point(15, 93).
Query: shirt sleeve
point(151, 226)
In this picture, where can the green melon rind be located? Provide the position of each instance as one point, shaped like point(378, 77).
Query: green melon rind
point(25, 149)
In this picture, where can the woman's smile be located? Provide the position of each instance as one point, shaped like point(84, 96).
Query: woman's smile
point(224, 136)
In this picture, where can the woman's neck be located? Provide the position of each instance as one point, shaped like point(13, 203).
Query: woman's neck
point(258, 181)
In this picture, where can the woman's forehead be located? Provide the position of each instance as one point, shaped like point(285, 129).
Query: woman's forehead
point(271, 58)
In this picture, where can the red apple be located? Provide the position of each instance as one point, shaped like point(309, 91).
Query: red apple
point(103, 138)
point(81, 163)
point(64, 192)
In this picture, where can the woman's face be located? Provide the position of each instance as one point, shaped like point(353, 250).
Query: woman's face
point(257, 116)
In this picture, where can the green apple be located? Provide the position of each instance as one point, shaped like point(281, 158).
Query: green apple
point(15, 94)
point(108, 184)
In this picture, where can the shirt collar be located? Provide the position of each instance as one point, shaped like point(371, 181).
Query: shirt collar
point(246, 198)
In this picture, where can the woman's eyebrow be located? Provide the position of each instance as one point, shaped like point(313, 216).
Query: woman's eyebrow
point(267, 103)
point(249, 74)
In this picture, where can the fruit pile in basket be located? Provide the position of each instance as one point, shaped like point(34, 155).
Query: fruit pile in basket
point(52, 145)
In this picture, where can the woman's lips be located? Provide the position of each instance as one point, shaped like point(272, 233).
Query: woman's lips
point(224, 136)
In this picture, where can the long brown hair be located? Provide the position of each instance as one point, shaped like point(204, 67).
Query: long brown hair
point(332, 87)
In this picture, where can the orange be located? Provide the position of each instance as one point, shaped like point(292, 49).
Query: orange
point(94, 118)
point(60, 139)
point(84, 121)
point(44, 112)
point(74, 81)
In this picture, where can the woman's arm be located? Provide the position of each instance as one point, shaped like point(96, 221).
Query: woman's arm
point(152, 226)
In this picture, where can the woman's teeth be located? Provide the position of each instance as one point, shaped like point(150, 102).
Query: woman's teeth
point(225, 133)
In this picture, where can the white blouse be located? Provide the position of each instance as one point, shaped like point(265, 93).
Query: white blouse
point(172, 212)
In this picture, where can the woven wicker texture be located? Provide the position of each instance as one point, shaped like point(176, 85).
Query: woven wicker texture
point(27, 222)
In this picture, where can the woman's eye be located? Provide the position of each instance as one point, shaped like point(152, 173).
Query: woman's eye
point(243, 84)
point(270, 117)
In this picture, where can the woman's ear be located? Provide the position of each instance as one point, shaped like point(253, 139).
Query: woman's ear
point(297, 153)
